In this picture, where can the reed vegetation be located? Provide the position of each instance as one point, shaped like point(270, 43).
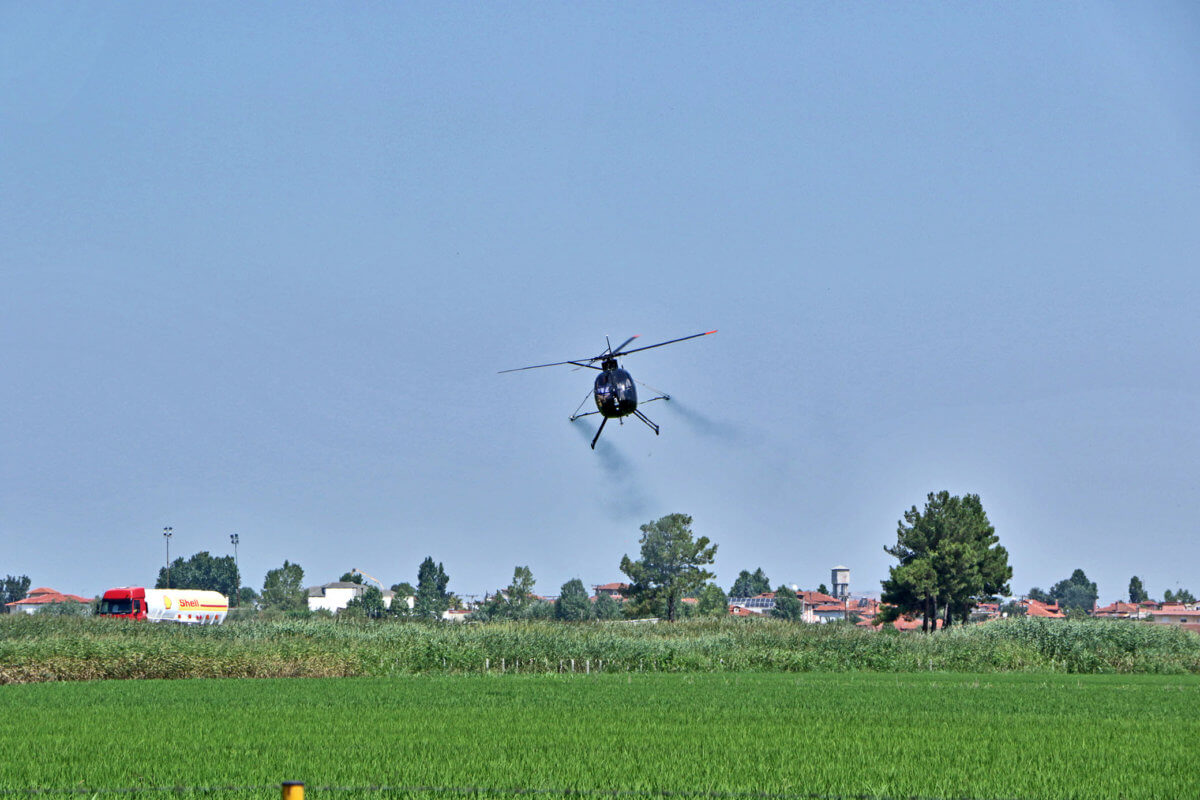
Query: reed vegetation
point(36, 649)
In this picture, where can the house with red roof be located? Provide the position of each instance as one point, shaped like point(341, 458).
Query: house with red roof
point(1175, 614)
point(1034, 608)
point(984, 612)
point(757, 606)
point(900, 624)
point(830, 612)
point(865, 607)
point(42, 597)
point(1119, 610)
point(814, 598)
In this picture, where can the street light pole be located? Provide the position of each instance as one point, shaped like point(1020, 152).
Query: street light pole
point(167, 532)
point(237, 576)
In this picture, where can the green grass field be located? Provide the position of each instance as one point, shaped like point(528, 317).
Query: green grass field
point(934, 735)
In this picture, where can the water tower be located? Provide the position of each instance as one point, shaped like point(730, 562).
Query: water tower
point(840, 578)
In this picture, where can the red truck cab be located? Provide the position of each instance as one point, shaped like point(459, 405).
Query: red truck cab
point(128, 602)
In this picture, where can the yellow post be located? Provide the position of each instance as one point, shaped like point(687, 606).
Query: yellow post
point(293, 790)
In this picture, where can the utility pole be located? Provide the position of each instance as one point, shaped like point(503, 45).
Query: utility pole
point(237, 576)
point(167, 533)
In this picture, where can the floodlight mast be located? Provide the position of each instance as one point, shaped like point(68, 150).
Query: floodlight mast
point(168, 532)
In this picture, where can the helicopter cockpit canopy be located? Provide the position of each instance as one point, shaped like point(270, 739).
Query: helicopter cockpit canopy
point(615, 393)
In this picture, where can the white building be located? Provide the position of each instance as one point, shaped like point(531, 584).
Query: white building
point(1177, 614)
point(333, 597)
point(44, 597)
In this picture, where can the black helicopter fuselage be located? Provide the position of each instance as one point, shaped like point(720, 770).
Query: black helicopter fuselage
point(615, 392)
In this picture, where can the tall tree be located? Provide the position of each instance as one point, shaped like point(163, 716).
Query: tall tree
point(400, 594)
point(432, 599)
point(514, 602)
point(671, 564)
point(573, 604)
point(201, 571)
point(787, 605)
point(1181, 596)
point(1075, 593)
point(520, 590)
point(14, 588)
point(370, 601)
point(1137, 592)
point(949, 559)
point(607, 607)
point(761, 584)
point(404, 588)
point(911, 588)
point(248, 598)
point(749, 584)
point(351, 577)
point(712, 602)
point(1036, 593)
point(283, 588)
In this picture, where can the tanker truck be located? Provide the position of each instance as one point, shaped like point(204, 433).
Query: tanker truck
point(187, 606)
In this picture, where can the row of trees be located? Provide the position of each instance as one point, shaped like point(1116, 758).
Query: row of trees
point(283, 590)
point(518, 602)
point(671, 568)
point(949, 561)
point(201, 571)
point(1079, 594)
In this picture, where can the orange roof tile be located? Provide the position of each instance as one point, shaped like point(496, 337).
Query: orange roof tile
point(46, 596)
point(1176, 612)
point(1034, 608)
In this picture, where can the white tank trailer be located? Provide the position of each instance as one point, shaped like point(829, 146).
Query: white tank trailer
point(184, 606)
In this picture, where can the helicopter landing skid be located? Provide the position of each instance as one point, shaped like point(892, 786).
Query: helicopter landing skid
point(596, 438)
point(649, 423)
point(646, 420)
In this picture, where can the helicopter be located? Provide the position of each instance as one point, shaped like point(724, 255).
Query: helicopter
point(615, 391)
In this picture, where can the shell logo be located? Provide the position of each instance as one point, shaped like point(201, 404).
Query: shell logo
point(167, 601)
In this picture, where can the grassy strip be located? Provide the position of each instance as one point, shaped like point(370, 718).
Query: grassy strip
point(902, 735)
point(36, 649)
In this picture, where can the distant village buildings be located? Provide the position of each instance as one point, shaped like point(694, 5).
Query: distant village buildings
point(1175, 614)
point(40, 598)
point(838, 605)
point(335, 596)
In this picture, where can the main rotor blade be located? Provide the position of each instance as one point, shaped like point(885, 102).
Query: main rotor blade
point(618, 352)
point(580, 363)
point(589, 362)
point(660, 344)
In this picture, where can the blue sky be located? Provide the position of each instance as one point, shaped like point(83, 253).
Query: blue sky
point(260, 268)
